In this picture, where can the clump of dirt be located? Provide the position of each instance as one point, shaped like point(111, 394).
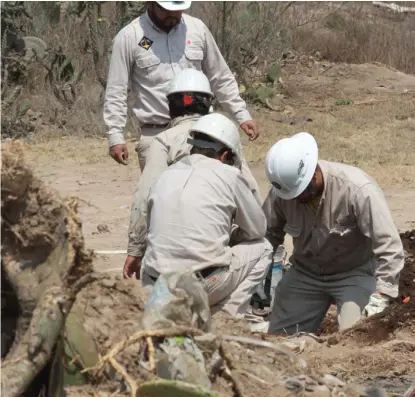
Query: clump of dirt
point(407, 279)
point(35, 219)
point(112, 308)
point(381, 327)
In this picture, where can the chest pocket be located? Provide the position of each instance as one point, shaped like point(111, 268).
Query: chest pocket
point(194, 57)
point(292, 230)
point(343, 239)
point(149, 68)
point(342, 231)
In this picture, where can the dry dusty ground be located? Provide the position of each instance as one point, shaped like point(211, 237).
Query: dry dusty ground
point(375, 132)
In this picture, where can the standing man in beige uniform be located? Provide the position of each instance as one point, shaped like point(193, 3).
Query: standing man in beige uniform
point(346, 246)
point(148, 53)
point(203, 217)
point(190, 97)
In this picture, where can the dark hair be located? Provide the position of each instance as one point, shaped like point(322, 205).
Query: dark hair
point(212, 153)
point(184, 103)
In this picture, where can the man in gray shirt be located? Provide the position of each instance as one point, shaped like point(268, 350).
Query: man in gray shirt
point(147, 54)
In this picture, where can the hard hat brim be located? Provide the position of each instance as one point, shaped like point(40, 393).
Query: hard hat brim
point(175, 5)
point(311, 169)
point(193, 91)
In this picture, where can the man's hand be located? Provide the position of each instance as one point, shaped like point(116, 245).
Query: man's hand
point(250, 129)
point(119, 153)
point(377, 304)
point(132, 265)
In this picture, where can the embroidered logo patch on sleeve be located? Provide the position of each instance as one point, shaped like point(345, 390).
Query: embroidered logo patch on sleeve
point(145, 43)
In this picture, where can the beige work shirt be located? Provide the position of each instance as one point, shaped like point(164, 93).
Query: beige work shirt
point(191, 210)
point(352, 226)
point(150, 70)
point(167, 148)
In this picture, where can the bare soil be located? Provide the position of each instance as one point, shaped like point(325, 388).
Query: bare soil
point(376, 352)
point(375, 132)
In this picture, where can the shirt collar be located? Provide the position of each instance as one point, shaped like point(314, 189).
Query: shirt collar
point(150, 22)
point(324, 169)
point(184, 119)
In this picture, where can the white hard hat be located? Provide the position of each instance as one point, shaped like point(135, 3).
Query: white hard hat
point(189, 80)
point(222, 130)
point(175, 5)
point(290, 164)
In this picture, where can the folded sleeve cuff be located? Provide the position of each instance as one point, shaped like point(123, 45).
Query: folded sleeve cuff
point(115, 138)
point(242, 116)
point(387, 288)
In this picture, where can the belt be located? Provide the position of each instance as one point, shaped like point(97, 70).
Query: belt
point(154, 126)
point(205, 273)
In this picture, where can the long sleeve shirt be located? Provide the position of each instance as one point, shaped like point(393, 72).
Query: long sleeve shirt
point(191, 212)
point(167, 148)
point(147, 58)
point(352, 226)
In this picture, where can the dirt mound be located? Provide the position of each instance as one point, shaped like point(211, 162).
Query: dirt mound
point(321, 80)
point(113, 310)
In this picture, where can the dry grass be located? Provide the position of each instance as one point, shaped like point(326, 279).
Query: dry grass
point(368, 136)
point(359, 33)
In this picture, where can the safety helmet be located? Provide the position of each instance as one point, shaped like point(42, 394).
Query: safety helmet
point(189, 80)
point(174, 5)
point(290, 164)
point(222, 130)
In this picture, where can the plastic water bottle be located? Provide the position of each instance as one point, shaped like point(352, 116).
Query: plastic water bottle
point(276, 275)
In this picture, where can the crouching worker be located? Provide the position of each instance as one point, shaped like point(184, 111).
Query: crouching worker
point(346, 246)
point(189, 97)
point(203, 216)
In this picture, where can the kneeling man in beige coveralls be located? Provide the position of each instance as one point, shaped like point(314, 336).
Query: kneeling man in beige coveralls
point(202, 216)
point(189, 97)
point(346, 246)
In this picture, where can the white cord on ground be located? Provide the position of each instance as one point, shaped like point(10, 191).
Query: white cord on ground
point(103, 252)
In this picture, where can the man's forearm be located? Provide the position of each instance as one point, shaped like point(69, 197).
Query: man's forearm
point(137, 236)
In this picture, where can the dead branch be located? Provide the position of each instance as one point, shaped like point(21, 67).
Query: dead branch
point(227, 374)
point(120, 369)
point(151, 354)
point(117, 348)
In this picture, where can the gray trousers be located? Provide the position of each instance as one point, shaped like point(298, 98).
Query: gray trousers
point(302, 299)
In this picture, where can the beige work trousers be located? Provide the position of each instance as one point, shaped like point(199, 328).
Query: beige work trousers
point(143, 145)
point(303, 299)
point(230, 289)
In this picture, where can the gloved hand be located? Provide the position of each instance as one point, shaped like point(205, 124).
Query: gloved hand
point(377, 303)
